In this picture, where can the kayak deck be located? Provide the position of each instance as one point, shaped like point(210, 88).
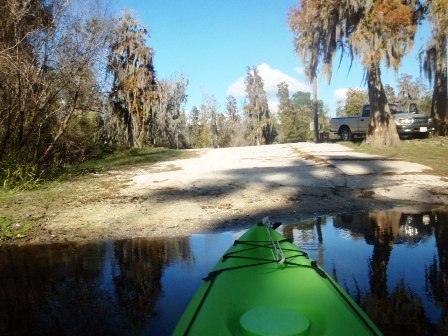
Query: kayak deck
point(265, 285)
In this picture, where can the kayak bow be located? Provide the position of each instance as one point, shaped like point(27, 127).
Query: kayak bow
point(265, 285)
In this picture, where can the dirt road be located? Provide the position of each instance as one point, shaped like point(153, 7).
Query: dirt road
point(222, 188)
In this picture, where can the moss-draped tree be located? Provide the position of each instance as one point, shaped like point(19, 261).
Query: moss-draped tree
point(261, 129)
point(435, 62)
point(375, 31)
point(134, 92)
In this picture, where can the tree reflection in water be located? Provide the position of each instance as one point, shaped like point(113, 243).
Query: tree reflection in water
point(396, 308)
point(80, 289)
point(437, 271)
point(137, 283)
point(391, 311)
point(31, 299)
point(395, 265)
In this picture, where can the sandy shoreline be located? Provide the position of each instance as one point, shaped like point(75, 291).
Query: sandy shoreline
point(225, 188)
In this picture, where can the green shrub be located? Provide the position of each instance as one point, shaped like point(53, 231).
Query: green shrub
point(19, 176)
point(10, 230)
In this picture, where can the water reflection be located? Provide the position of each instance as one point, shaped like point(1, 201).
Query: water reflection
point(394, 263)
point(437, 271)
point(408, 297)
point(105, 288)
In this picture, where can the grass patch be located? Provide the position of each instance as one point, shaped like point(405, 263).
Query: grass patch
point(11, 230)
point(431, 152)
point(76, 185)
point(132, 157)
point(17, 177)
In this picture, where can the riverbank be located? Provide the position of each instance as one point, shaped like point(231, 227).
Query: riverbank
point(221, 188)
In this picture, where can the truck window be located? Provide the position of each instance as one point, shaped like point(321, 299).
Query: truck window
point(366, 111)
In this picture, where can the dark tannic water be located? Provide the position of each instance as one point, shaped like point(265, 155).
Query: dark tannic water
point(394, 264)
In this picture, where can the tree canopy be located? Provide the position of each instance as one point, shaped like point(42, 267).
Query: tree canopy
point(134, 92)
point(434, 62)
point(371, 30)
point(355, 99)
point(257, 109)
point(296, 114)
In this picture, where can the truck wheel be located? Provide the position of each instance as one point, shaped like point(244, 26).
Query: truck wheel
point(345, 133)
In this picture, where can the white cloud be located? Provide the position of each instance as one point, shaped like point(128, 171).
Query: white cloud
point(300, 70)
point(340, 94)
point(237, 88)
point(271, 78)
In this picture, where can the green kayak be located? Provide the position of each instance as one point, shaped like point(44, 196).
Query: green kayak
point(265, 285)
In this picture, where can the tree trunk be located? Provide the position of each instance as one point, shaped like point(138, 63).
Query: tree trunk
point(6, 124)
point(315, 111)
point(439, 98)
point(61, 130)
point(382, 130)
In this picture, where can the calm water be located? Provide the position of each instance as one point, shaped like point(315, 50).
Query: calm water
point(394, 264)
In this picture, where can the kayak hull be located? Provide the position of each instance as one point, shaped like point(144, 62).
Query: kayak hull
point(265, 285)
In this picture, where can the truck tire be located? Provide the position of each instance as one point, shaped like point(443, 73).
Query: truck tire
point(345, 133)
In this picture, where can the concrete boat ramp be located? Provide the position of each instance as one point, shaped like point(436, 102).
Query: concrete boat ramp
point(380, 177)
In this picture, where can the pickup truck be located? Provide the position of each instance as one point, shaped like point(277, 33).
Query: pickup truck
point(409, 123)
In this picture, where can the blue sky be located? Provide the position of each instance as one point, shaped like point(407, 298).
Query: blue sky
point(213, 42)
